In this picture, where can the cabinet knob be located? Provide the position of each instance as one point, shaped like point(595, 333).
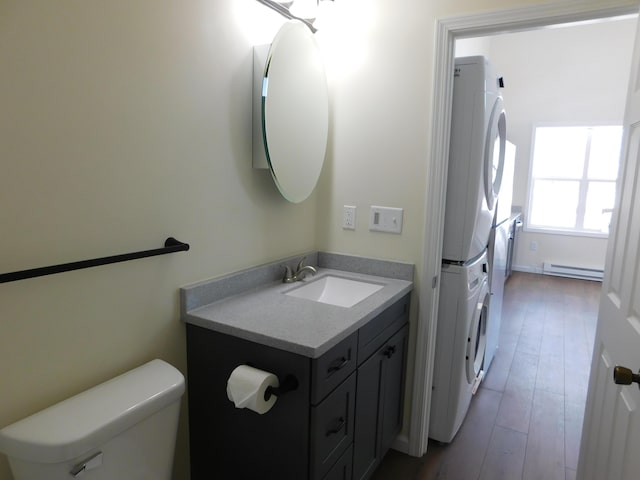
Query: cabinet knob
point(389, 351)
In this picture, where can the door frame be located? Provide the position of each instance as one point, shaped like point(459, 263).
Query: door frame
point(447, 30)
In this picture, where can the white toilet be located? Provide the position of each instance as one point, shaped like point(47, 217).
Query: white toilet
point(122, 429)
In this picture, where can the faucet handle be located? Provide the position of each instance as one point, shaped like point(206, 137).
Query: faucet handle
point(288, 275)
point(301, 264)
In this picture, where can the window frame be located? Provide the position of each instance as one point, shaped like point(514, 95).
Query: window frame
point(583, 184)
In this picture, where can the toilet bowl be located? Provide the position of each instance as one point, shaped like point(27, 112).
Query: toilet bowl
point(122, 429)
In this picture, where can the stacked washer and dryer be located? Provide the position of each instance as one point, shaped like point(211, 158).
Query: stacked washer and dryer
point(476, 158)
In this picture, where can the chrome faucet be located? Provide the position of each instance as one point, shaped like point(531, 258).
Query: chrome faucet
point(301, 271)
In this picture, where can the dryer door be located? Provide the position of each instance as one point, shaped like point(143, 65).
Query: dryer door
point(494, 149)
point(477, 335)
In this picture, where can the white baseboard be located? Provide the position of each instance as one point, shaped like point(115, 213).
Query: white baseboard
point(401, 443)
point(527, 269)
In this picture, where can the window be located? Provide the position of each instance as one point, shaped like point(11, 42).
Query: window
point(573, 179)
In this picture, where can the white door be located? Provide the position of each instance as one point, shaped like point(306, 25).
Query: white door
point(611, 434)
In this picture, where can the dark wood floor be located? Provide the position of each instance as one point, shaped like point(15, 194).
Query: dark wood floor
point(526, 419)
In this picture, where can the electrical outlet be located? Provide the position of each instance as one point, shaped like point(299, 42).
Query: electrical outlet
point(349, 217)
point(533, 246)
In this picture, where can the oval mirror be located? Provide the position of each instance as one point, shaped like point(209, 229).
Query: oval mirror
point(295, 111)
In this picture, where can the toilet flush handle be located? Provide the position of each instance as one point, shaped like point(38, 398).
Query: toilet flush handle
point(89, 464)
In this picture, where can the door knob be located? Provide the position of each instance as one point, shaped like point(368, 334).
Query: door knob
point(624, 376)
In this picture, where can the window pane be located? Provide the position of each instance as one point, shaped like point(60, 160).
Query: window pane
point(559, 152)
point(600, 200)
point(554, 203)
point(605, 152)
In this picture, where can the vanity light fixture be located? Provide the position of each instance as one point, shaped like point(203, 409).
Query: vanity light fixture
point(303, 10)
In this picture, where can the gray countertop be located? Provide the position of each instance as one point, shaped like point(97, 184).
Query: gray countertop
point(266, 315)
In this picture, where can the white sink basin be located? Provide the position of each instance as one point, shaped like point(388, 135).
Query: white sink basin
point(343, 292)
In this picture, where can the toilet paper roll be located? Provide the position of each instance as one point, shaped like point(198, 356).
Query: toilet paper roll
point(246, 386)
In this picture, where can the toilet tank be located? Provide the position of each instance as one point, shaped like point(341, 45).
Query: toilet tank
point(122, 429)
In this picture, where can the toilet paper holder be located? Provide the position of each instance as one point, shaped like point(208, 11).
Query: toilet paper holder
point(289, 384)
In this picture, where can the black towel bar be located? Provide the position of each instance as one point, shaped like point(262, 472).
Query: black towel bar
point(171, 245)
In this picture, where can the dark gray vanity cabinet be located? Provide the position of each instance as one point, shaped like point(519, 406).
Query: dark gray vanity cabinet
point(336, 425)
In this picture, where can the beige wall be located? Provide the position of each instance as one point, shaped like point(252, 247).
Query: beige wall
point(124, 122)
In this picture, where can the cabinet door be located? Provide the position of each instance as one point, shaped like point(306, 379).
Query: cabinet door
point(393, 387)
point(366, 451)
point(379, 402)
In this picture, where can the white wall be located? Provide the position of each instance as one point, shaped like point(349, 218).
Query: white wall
point(124, 122)
point(469, 47)
point(565, 75)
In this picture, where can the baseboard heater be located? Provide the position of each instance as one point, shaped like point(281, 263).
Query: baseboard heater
point(572, 272)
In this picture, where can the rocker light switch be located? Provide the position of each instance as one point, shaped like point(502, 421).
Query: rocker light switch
point(385, 219)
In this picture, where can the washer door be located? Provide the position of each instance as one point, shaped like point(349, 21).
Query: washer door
point(494, 147)
point(477, 335)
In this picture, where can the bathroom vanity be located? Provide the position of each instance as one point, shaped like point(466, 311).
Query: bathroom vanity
point(348, 362)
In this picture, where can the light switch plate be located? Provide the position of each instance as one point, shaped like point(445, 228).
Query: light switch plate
point(385, 219)
point(349, 217)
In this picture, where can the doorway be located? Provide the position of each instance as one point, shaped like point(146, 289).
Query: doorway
point(525, 421)
point(447, 31)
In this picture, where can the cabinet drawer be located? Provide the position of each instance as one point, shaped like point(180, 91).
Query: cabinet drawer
point(332, 428)
point(342, 469)
point(373, 335)
point(328, 371)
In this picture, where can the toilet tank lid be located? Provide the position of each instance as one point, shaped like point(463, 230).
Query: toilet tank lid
point(74, 426)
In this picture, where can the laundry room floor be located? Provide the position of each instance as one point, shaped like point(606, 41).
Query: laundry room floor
point(525, 421)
